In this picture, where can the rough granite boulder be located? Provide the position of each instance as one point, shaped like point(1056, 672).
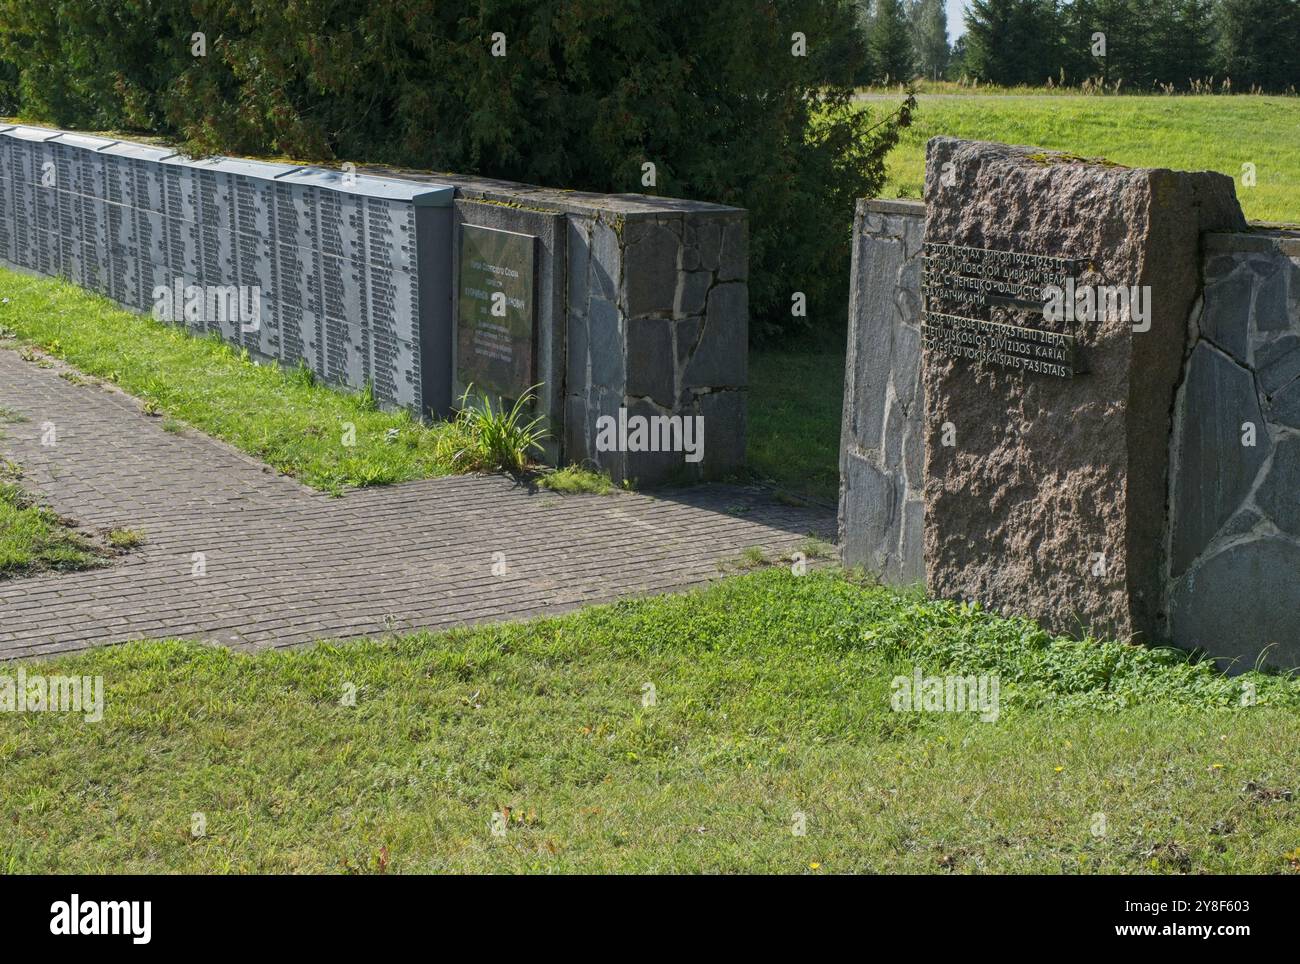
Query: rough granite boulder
point(1049, 475)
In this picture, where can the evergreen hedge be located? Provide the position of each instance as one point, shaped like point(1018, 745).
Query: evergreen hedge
point(587, 92)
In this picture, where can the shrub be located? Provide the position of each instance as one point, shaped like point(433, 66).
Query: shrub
point(8, 89)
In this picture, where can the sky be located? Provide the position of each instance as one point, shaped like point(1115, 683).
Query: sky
point(956, 19)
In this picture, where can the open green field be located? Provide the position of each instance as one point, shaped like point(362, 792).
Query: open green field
point(771, 699)
point(1217, 133)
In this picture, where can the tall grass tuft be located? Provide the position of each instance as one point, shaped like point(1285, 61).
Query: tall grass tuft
point(484, 438)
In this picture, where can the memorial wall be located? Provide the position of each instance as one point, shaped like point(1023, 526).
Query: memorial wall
point(1125, 468)
point(344, 274)
point(417, 284)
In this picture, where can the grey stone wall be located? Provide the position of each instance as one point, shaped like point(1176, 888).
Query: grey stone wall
point(881, 517)
point(1234, 537)
point(655, 317)
point(681, 302)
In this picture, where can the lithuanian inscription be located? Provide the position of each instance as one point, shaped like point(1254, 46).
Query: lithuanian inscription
point(1009, 287)
point(494, 328)
point(1012, 346)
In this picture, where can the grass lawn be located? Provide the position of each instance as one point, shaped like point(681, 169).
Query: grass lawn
point(771, 698)
point(297, 426)
point(795, 399)
point(327, 438)
point(1183, 133)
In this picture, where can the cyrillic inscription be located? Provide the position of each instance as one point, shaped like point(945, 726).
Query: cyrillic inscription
point(958, 277)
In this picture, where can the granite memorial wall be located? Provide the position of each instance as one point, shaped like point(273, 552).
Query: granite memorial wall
point(345, 275)
point(1128, 472)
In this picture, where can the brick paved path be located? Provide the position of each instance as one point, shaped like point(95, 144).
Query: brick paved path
point(286, 565)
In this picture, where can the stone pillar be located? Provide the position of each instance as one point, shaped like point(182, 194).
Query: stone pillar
point(1046, 495)
point(669, 336)
point(882, 502)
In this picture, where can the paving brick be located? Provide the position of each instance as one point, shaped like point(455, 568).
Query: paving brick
point(287, 565)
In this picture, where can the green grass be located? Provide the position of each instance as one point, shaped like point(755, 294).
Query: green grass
point(795, 399)
point(1182, 133)
point(771, 696)
point(573, 479)
point(287, 420)
point(328, 439)
point(125, 538)
point(33, 539)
